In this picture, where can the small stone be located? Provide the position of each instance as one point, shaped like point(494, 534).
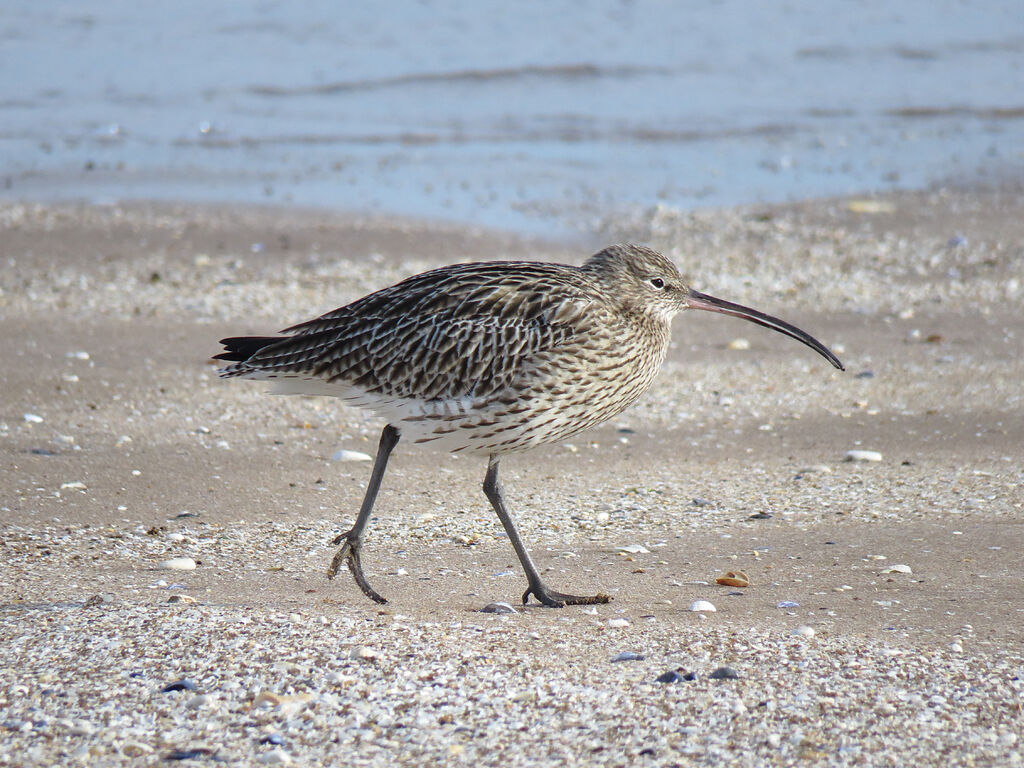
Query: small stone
point(344, 455)
point(816, 469)
point(198, 701)
point(788, 604)
point(275, 757)
point(97, 601)
point(898, 568)
point(498, 608)
point(760, 516)
point(77, 355)
point(179, 685)
point(183, 599)
point(627, 656)
point(188, 754)
point(739, 344)
point(724, 673)
point(618, 623)
point(75, 485)
point(365, 653)
point(274, 738)
point(803, 631)
point(702, 606)
point(179, 564)
point(675, 676)
point(858, 455)
point(885, 709)
point(955, 647)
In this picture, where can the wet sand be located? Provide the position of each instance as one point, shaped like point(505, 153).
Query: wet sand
point(122, 449)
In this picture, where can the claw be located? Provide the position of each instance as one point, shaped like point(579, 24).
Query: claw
point(349, 554)
point(553, 599)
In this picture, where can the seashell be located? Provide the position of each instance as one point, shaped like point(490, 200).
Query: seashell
point(733, 579)
point(858, 455)
point(702, 606)
point(898, 568)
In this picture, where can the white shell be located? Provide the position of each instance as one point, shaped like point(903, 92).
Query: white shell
point(858, 455)
point(702, 605)
point(898, 568)
point(179, 564)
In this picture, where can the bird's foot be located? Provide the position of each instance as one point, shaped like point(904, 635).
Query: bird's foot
point(349, 554)
point(553, 599)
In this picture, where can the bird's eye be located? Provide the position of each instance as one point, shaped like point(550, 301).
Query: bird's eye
point(658, 283)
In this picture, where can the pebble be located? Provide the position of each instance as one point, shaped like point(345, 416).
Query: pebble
point(816, 469)
point(628, 656)
point(184, 599)
point(858, 455)
point(179, 564)
point(739, 344)
point(675, 676)
point(76, 485)
point(179, 685)
point(898, 568)
point(344, 455)
point(702, 606)
point(104, 598)
point(724, 673)
point(803, 631)
point(77, 355)
point(956, 647)
point(788, 604)
point(188, 754)
point(198, 701)
point(618, 623)
point(275, 757)
point(498, 608)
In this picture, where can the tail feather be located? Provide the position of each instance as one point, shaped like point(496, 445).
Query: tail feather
point(241, 348)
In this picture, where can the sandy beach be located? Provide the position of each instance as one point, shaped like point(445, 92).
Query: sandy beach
point(884, 619)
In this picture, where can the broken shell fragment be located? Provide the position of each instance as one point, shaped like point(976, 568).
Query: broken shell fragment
point(733, 579)
point(898, 568)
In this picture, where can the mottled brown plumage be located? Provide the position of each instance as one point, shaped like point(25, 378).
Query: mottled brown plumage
point(490, 358)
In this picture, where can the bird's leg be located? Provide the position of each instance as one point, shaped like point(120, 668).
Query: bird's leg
point(349, 552)
point(493, 490)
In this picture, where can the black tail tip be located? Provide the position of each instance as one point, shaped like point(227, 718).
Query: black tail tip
point(240, 348)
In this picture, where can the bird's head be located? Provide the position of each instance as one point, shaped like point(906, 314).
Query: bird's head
point(643, 281)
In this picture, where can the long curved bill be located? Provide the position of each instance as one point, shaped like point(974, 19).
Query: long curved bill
point(697, 300)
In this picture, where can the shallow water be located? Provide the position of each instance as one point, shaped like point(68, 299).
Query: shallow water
point(540, 119)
